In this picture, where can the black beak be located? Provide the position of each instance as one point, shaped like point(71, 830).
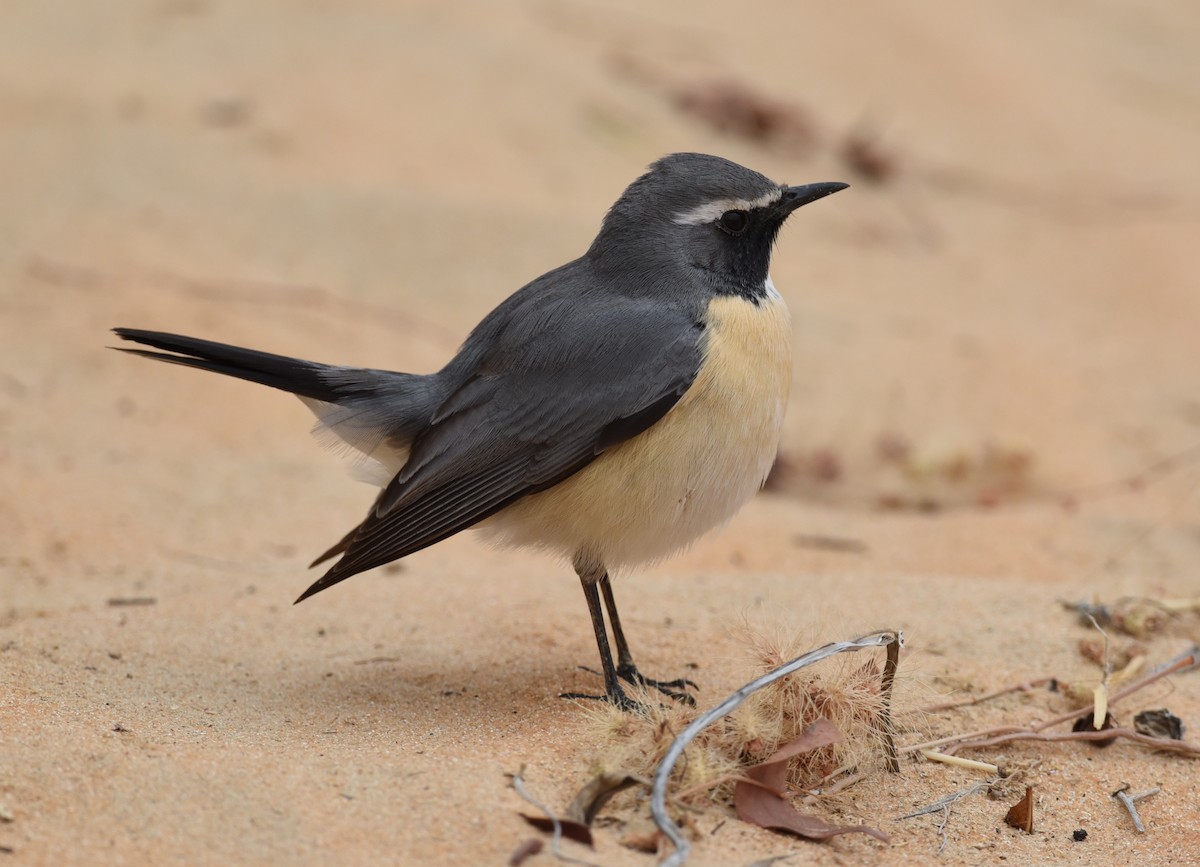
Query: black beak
point(795, 197)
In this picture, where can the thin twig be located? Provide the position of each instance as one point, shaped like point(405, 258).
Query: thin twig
point(517, 781)
point(999, 734)
point(662, 776)
point(965, 736)
point(1184, 748)
point(844, 783)
point(941, 828)
point(968, 764)
point(712, 784)
point(1027, 686)
point(890, 664)
point(943, 805)
point(1100, 693)
point(1179, 663)
point(1107, 664)
point(1128, 800)
point(1189, 659)
point(1133, 813)
point(1177, 606)
point(950, 799)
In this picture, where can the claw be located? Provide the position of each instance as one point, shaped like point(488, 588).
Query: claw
point(675, 689)
point(617, 698)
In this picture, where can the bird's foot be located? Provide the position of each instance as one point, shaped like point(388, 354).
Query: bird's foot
point(617, 697)
point(676, 689)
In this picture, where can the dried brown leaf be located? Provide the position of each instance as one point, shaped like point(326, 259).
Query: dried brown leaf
point(1159, 723)
point(758, 806)
point(571, 830)
point(760, 800)
point(772, 773)
point(598, 791)
point(1020, 814)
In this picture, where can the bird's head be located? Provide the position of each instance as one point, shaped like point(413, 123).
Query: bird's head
point(704, 213)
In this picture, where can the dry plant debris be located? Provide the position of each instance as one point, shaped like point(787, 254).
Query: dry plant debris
point(564, 828)
point(1088, 723)
point(665, 771)
point(598, 792)
point(1093, 650)
point(960, 762)
point(997, 787)
point(1137, 616)
point(1092, 721)
point(1037, 732)
point(761, 799)
point(1083, 718)
point(575, 823)
point(1024, 686)
point(1020, 815)
point(558, 828)
point(945, 471)
point(940, 475)
point(945, 802)
point(1128, 801)
point(1159, 723)
point(848, 692)
point(790, 731)
point(900, 474)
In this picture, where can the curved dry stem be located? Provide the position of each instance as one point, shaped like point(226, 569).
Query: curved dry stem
point(892, 639)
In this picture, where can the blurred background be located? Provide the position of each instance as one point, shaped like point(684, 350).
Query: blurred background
point(997, 328)
point(1007, 299)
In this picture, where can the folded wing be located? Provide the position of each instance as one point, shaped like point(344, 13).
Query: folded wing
point(540, 401)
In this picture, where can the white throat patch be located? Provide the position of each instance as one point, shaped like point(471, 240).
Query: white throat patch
point(711, 211)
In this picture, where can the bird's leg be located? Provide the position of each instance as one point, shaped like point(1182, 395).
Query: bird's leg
point(612, 686)
point(626, 670)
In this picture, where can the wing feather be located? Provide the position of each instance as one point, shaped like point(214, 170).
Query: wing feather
point(524, 418)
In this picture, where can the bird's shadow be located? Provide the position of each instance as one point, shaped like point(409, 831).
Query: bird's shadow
point(387, 691)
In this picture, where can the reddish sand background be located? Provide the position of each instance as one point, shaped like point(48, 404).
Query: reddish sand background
point(359, 183)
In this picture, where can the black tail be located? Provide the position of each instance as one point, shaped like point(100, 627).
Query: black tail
point(376, 412)
point(294, 375)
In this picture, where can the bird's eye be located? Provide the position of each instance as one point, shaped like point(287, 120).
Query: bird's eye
point(734, 222)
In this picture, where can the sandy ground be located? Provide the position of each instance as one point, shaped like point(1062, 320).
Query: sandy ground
point(360, 182)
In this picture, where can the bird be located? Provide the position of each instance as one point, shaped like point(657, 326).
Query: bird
point(610, 412)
